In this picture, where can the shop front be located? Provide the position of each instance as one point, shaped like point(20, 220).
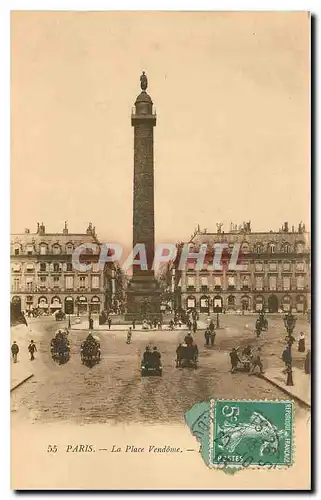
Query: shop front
point(204, 304)
point(69, 305)
point(55, 304)
point(286, 303)
point(82, 305)
point(95, 305)
point(259, 303)
point(190, 302)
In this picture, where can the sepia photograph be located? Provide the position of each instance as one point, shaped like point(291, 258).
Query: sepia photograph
point(160, 240)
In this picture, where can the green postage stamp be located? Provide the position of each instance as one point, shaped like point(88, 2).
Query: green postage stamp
point(239, 434)
point(251, 433)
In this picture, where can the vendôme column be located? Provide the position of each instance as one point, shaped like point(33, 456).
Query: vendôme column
point(143, 295)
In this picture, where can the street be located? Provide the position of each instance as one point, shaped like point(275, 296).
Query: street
point(114, 390)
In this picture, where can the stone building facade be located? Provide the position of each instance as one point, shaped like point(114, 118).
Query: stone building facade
point(42, 274)
point(276, 275)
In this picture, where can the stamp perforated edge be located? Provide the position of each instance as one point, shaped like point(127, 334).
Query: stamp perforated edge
point(254, 466)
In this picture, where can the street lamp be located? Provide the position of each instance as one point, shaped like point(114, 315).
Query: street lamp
point(69, 323)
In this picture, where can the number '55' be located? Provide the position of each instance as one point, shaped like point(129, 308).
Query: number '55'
point(52, 448)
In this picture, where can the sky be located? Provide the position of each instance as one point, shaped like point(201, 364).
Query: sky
point(232, 140)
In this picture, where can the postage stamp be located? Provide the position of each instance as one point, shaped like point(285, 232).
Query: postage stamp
point(247, 433)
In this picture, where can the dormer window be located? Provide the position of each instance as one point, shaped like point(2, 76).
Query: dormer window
point(272, 248)
point(56, 249)
point(43, 249)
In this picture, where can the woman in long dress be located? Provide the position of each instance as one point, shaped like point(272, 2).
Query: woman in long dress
point(301, 343)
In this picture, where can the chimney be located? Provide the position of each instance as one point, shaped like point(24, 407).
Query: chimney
point(292, 229)
point(65, 229)
point(286, 227)
point(37, 227)
point(27, 231)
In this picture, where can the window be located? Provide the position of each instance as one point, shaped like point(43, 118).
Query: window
point(300, 247)
point(95, 282)
point(43, 279)
point(29, 285)
point(245, 281)
point(16, 284)
point(286, 283)
point(245, 265)
point(30, 268)
point(190, 281)
point(300, 282)
point(56, 267)
point(42, 267)
point(286, 248)
point(272, 248)
point(300, 266)
point(286, 266)
point(69, 282)
point(273, 266)
point(69, 266)
point(16, 268)
point(43, 249)
point(82, 281)
point(231, 281)
point(259, 283)
point(258, 248)
point(29, 249)
point(16, 251)
point(56, 249)
point(272, 282)
point(204, 281)
point(56, 279)
point(190, 265)
point(259, 266)
point(69, 248)
point(217, 281)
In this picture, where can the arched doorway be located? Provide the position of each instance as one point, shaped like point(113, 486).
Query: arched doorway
point(301, 303)
point(259, 303)
point(43, 303)
point(273, 304)
point(204, 304)
point(15, 307)
point(245, 301)
point(231, 302)
point(55, 304)
point(217, 304)
point(82, 305)
point(69, 305)
point(190, 302)
point(29, 302)
point(286, 303)
point(95, 305)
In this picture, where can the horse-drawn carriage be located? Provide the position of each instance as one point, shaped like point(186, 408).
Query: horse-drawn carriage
point(60, 316)
point(59, 347)
point(151, 364)
point(187, 356)
point(90, 351)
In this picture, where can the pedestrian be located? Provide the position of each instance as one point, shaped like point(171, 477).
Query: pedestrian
point(301, 342)
point(287, 358)
point(234, 359)
point(32, 349)
point(14, 351)
point(109, 322)
point(307, 362)
point(207, 335)
point(212, 337)
point(256, 361)
point(194, 326)
point(211, 326)
point(134, 324)
point(189, 339)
